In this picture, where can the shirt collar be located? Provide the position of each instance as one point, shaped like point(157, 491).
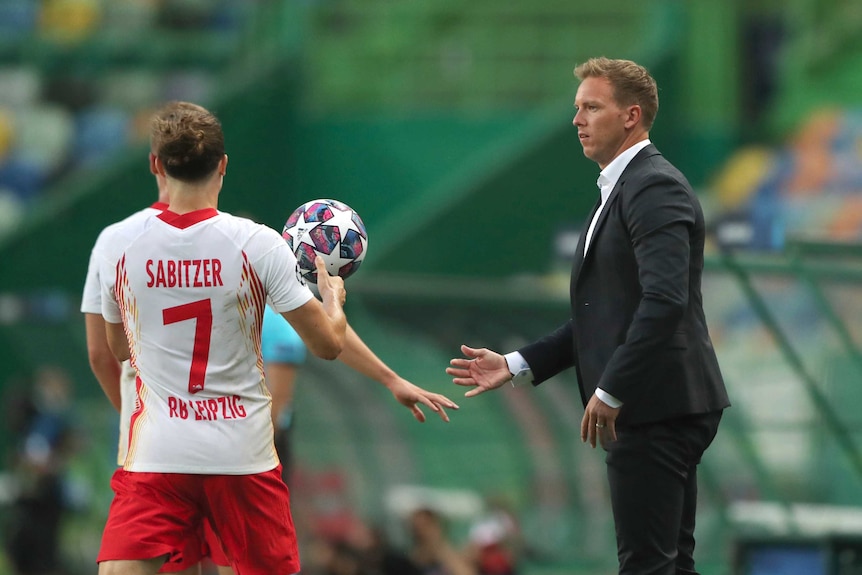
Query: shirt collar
point(611, 174)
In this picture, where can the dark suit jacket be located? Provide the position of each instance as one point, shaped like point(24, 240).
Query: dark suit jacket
point(638, 329)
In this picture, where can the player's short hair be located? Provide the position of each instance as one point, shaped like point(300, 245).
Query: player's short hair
point(188, 140)
point(632, 84)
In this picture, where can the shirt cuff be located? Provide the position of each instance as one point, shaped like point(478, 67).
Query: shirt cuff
point(519, 368)
point(607, 398)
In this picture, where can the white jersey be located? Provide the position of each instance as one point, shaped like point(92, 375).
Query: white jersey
point(191, 290)
point(91, 302)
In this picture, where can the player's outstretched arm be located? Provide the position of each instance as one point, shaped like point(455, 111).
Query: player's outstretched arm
point(358, 355)
point(482, 370)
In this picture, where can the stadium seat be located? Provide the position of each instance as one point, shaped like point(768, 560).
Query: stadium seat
point(43, 136)
point(17, 19)
point(69, 20)
point(129, 16)
point(7, 133)
point(100, 132)
point(22, 179)
point(19, 85)
point(131, 89)
point(192, 85)
point(12, 210)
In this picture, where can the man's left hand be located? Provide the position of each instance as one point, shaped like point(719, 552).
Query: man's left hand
point(599, 422)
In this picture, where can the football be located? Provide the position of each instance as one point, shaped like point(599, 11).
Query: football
point(330, 229)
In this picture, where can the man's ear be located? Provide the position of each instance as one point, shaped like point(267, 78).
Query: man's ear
point(156, 166)
point(634, 114)
point(222, 166)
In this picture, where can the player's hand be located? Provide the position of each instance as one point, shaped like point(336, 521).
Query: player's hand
point(329, 286)
point(599, 422)
point(483, 371)
point(410, 396)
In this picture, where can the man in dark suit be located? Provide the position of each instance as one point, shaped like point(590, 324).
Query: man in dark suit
point(637, 335)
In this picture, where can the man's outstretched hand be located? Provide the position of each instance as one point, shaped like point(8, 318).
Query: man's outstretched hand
point(482, 369)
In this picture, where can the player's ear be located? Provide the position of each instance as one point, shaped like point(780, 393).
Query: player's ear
point(222, 166)
point(156, 166)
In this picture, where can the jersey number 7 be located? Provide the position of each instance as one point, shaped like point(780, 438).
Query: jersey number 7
point(201, 311)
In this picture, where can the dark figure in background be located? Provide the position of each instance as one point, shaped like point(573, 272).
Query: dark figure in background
point(45, 436)
point(637, 335)
point(377, 553)
point(495, 544)
point(432, 551)
point(283, 352)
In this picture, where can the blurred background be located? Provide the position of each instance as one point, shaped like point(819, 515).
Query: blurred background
point(447, 126)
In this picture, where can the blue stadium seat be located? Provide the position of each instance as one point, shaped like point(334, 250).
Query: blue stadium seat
point(22, 178)
point(100, 132)
point(17, 19)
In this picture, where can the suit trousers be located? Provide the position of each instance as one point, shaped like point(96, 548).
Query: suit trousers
point(652, 474)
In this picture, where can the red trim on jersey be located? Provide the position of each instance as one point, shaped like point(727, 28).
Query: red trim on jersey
point(183, 221)
point(257, 303)
point(161, 206)
point(136, 413)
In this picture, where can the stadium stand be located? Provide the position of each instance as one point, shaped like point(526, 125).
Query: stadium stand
point(806, 189)
point(79, 78)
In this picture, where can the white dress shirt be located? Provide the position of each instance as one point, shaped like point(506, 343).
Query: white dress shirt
point(608, 178)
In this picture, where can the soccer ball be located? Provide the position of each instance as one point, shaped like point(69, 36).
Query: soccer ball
point(330, 229)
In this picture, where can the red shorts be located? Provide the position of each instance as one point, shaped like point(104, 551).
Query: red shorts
point(155, 514)
point(214, 550)
point(205, 544)
point(194, 550)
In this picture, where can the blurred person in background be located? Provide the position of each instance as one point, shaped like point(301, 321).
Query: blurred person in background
point(382, 557)
point(283, 353)
point(377, 554)
point(637, 335)
point(211, 455)
point(362, 548)
point(334, 557)
point(431, 549)
point(42, 423)
point(494, 543)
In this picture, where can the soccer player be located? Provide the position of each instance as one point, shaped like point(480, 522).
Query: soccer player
point(117, 379)
point(183, 296)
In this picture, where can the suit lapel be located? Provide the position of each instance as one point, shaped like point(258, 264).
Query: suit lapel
point(582, 240)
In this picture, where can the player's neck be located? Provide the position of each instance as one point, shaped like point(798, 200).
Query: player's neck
point(185, 201)
point(189, 197)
